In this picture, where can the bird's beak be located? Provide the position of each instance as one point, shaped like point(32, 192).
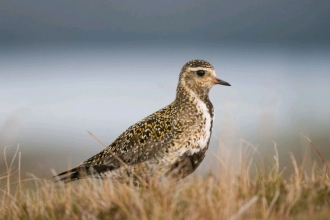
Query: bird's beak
point(220, 82)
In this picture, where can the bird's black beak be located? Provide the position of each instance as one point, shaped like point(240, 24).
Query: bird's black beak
point(221, 82)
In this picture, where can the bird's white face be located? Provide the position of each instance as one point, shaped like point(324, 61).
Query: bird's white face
point(201, 79)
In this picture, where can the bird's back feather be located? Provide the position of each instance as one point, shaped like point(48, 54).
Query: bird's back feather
point(139, 143)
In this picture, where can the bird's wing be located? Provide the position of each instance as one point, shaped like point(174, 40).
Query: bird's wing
point(137, 144)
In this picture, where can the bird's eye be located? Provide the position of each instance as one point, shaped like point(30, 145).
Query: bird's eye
point(200, 72)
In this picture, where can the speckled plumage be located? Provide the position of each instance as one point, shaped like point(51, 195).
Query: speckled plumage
point(171, 141)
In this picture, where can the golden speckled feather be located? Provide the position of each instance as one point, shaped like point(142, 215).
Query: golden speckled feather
point(171, 141)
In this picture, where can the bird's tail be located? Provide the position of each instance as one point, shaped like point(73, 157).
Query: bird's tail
point(72, 175)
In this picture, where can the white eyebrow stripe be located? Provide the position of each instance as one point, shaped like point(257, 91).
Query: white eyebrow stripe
point(199, 68)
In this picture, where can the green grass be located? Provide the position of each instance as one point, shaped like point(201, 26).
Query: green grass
point(237, 188)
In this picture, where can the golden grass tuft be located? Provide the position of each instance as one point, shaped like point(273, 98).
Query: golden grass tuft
point(238, 188)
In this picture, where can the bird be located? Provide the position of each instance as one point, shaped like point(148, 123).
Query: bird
point(172, 142)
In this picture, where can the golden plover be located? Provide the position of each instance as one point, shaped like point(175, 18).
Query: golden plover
point(169, 142)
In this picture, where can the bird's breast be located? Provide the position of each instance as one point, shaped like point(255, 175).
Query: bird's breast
point(200, 132)
point(205, 125)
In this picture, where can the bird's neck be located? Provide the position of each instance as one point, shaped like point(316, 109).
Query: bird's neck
point(184, 92)
point(188, 96)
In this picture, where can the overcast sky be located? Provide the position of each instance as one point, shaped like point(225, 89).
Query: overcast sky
point(302, 21)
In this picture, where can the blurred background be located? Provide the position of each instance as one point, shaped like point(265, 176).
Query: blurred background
point(68, 67)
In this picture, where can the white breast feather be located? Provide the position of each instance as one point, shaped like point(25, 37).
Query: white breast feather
point(203, 139)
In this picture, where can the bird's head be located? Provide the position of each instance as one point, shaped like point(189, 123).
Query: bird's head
point(199, 77)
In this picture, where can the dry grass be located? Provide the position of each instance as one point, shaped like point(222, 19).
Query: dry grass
point(237, 189)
